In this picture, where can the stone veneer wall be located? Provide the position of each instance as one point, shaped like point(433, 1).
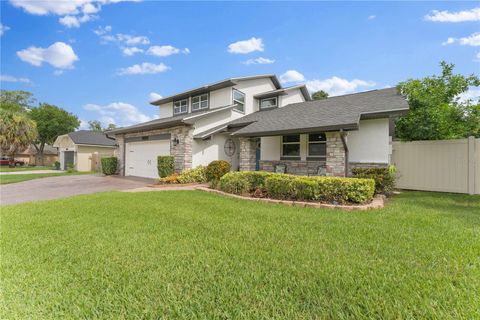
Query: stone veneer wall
point(182, 151)
point(296, 167)
point(247, 154)
point(335, 155)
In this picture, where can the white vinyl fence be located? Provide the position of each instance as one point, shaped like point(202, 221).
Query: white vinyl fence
point(442, 165)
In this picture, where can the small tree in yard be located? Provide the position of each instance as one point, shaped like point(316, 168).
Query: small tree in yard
point(17, 132)
point(436, 111)
point(320, 95)
point(52, 122)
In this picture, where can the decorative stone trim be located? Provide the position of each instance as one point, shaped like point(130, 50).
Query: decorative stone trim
point(335, 163)
point(247, 154)
point(378, 201)
point(182, 152)
point(296, 167)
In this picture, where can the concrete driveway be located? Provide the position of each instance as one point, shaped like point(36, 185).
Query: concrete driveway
point(65, 186)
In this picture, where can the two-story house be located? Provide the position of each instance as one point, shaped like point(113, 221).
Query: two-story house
point(256, 124)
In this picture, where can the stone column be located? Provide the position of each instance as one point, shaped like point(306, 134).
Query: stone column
point(182, 152)
point(335, 155)
point(247, 154)
point(121, 154)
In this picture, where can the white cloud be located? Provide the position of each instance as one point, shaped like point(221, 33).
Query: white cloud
point(100, 31)
point(291, 76)
point(162, 51)
point(73, 12)
point(246, 46)
point(83, 125)
point(335, 86)
point(130, 51)
point(472, 40)
point(259, 60)
point(472, 94)
point(3, 29)
point(371, 17)
point(60, 55)
point(144, 68)
point(126, 39)
point(153, 96)
point(186, 51)
point(119, 113)
point(477, 57)
point(8, 78)
point(459, 16)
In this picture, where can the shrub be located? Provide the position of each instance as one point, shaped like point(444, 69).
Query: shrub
point(328, 189)
point(233, 182)
point(109, 165)
point(165, 166)
point(70, 167)
point(250, 181)
point(384, 177)
point(171, 179)
point(57, 165)
point(193, 175)
point(215, 170)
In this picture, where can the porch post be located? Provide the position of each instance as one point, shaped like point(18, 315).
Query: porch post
point(336, 156)
point(247, 154)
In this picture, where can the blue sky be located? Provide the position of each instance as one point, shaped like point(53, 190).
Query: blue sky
point(103, 60)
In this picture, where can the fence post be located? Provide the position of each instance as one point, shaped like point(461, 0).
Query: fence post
point(471, 165)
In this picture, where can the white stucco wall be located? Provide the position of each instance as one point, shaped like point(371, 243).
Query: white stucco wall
point(371, 143)
point(206, 151)
point(251, 88)
point(220, 97)
point(293, 96)
point(83, 156)
point(271, 147)
point(166, 110)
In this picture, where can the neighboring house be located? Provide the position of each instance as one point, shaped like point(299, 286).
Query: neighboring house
point(256, 124)
point(29, 155)
point(77, 148)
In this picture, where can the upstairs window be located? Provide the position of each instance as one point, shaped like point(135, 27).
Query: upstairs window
point(268, 103)
point(239, 100)
point(180, 106)
point(200, 102)
point(291, 146)
point(317, 145)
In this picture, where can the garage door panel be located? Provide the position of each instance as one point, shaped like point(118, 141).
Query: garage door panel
point(141, 157)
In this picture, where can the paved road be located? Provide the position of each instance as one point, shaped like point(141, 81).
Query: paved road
point(64, 186)
point(31, 172)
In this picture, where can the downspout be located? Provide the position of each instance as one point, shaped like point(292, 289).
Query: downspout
point(343, 134)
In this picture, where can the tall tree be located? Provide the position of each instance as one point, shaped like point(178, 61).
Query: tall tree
point(17, 101)
point(320, 95)
point(95, 125)
point(436, 111)
point(111, 126)
point(17, 132)
point(52, 122)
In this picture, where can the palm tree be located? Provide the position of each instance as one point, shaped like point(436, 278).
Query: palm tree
point(17, 132)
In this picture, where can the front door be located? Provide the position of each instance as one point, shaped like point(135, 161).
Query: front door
point(257, 155)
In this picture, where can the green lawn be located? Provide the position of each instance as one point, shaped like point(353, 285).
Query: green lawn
point(189, 254)
point(13, 178)
point(8, 169)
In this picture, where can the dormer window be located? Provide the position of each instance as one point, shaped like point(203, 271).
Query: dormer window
point(200, 102)
point(180, 106)
point(268, 103)
point(239, 100)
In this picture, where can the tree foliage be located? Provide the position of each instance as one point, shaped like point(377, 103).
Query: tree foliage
point(52, 122)
point(16, 100)
point(320, 95)
point(17, 131)
point(96, 125)
point(436, 111)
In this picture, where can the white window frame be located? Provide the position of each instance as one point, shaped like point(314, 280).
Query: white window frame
point(199, 103)
point(271, 107)
point(234, 101)
point(316, 142)
point(287, 143)
point(180, 106)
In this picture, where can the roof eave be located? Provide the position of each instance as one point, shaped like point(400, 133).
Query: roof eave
point(146, 127)
point(347, 127)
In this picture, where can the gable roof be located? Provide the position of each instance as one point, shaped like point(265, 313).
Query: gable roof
point(335, 113)
point(47, 149)
point(283, 92)
point(215, 86)
point(96, 138)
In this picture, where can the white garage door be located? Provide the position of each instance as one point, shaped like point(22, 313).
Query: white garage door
point(141, 157)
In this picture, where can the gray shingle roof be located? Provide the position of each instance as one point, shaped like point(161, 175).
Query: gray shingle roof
point(341, 112)
point(96, 138)
point(282, 92)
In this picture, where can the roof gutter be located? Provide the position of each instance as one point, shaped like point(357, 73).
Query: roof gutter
point(351, 126)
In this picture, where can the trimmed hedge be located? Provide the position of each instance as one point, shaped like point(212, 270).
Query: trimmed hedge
point(165, 166)
point(384, 177)
point(193, 175)
point(289, 187)
point(215, 170)
point(109, 165)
